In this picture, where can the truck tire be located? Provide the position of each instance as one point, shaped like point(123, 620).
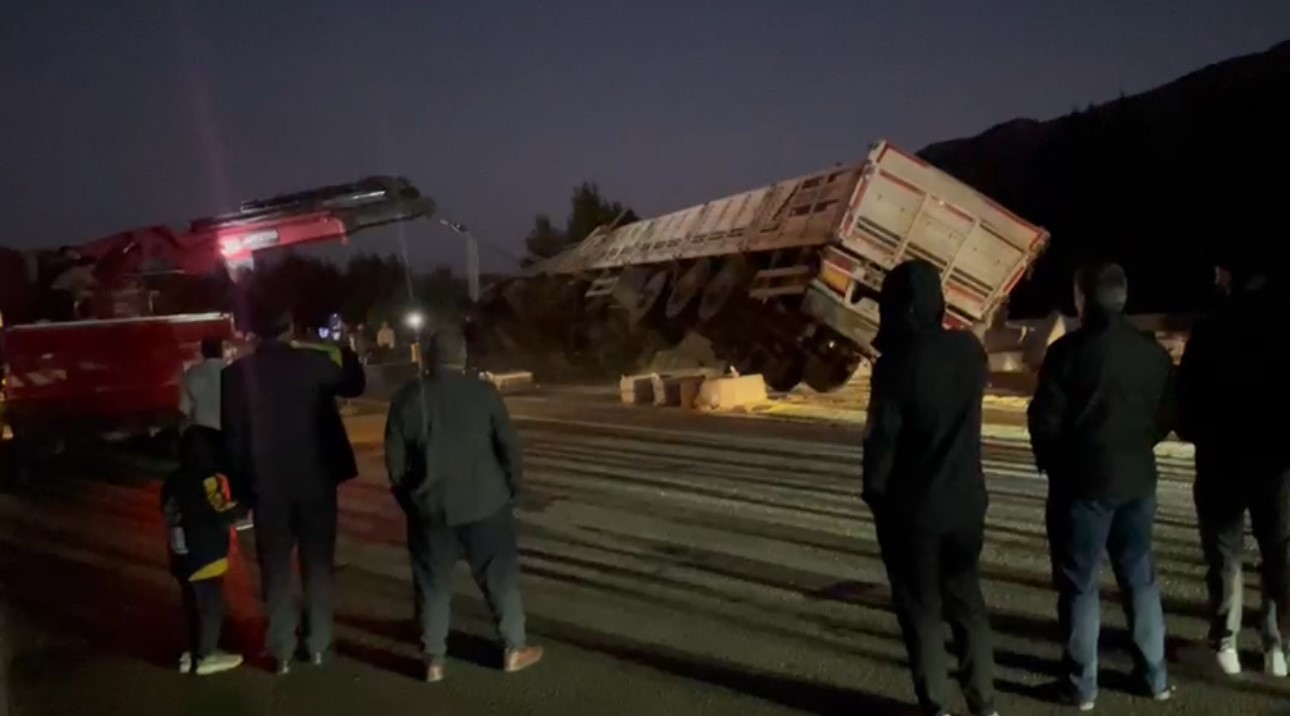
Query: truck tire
point(825, 376)
point(651, 296)
point(688, 290)
point(723, 291)
point(782, 373)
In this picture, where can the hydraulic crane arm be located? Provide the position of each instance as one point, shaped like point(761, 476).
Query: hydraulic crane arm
point(325, 214)
point(331, 213)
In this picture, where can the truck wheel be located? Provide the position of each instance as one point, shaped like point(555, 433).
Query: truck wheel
point(688, 289)
point(783, 373)
point(723, 290)
point(826, 376)
point(650, 296)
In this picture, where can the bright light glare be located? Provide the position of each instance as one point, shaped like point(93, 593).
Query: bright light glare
point(414, 320)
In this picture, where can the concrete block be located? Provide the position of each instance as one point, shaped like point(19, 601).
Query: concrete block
point(726, 393)
point(637, 389)
point(678, 390)
point(513, 382)
point(1008, 362)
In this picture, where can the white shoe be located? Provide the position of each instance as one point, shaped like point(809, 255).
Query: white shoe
point(217, 662)
point(1229, 660)
point(1274, 663)
point(185, 662)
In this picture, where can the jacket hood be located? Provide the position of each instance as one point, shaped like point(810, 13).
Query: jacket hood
point(910, 303)
point(1104, 290)
point(446, 348)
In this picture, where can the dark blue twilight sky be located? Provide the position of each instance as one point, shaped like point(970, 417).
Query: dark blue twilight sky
point(129, 112)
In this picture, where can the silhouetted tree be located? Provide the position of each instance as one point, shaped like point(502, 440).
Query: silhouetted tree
point(544, 240)
point(588, 210)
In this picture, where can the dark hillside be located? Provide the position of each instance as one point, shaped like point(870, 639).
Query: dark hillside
point(1164, 181)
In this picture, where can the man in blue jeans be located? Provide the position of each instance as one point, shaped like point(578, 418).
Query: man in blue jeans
point(1105, 399)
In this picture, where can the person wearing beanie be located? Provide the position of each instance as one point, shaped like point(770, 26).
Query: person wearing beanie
point(456, 470)
point(1232, 380)
point(287, 454)
point(1104, 401)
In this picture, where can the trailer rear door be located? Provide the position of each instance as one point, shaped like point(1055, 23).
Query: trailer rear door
point(903, 208)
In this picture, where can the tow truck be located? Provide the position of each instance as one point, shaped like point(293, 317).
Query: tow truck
point(111, 366)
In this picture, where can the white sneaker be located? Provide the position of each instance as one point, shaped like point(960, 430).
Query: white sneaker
point(1229, 660)
point(185, 662)
point(217, 662)
point(1274, 663)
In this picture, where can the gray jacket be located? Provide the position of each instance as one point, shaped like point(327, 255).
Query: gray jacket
point(452, 454)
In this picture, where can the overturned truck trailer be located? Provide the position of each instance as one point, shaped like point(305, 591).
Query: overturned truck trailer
point(783, 280)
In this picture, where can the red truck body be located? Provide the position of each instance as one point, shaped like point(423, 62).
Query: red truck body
point(119, 375)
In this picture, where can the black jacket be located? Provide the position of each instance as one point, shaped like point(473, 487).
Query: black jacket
point(198, 516)
point(1234, 379)
point(1104, 401)
point(922, 448)
point(281, 424)
point(453, 456)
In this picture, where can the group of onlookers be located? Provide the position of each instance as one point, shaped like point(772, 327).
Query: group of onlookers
point(269, 421)
point(1107, 395)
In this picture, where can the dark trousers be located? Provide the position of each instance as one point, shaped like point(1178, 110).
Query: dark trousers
point(203, 614)
point(281, 525)
point(490, 549)
point(1222, 499)
point(1079, 533)
point(934, 579)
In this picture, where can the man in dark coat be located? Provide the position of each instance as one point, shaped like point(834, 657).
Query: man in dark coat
point(1102, 404)
point(1235, 375)
point(288, 453)
point(923, 481)
point(455, 467)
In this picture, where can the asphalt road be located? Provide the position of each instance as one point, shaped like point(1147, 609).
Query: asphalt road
point(674, 564)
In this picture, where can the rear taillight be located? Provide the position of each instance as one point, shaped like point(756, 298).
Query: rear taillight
point(837, 271)
point(835, 278)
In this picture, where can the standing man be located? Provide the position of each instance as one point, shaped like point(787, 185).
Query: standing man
point(1102, 405)
point(1233, 378)
point(288, 453)
point(923, 481)
point(455, 467)
point(199, 398)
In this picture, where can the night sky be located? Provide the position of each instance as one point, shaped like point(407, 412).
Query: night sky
point(125, 113)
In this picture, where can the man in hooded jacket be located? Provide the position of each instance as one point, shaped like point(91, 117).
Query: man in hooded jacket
point(1103, 402)
point(924, 483)
point(455, 468)
point(1233, 377)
